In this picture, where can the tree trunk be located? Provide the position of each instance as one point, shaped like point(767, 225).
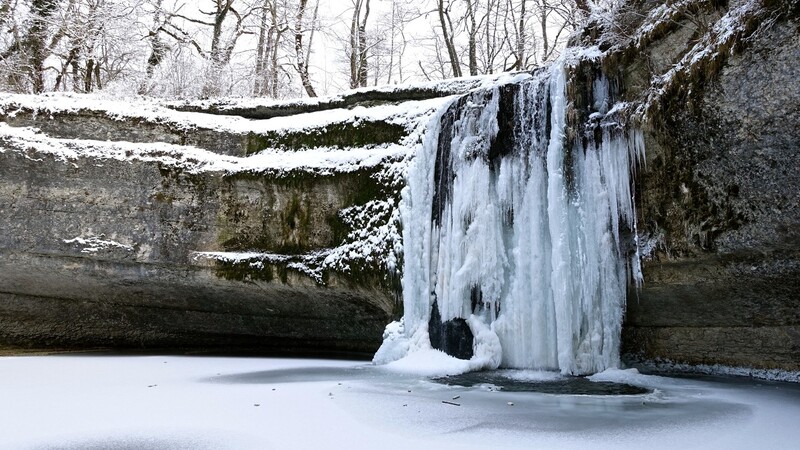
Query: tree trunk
point(76, 72)
point(220, 52)
point(543, 22)
point(521, 38)
point(275, 35)
point(61, 79)
point(259, 83)
point(354, 45)
point(444, 19)
point(472, 39)
point(223, 6)
point(302, 69)
point(157, 48)
point(362, 48)
point(37, 36)
point(97, 80)
point(311, 33)
point(87, 78)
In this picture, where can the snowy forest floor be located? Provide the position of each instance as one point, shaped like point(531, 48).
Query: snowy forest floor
point(171, 402)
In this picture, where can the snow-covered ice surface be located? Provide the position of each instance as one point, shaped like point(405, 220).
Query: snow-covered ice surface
point(169, 402)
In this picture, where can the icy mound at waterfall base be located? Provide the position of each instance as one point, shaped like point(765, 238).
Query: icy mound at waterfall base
point(416, 356)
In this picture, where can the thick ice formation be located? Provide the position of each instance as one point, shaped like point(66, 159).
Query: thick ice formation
point(518, 236)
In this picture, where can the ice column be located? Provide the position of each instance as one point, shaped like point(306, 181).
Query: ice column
point(520, 237)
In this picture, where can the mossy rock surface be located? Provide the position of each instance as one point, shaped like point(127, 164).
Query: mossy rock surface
point(364, 133)
point(292, 213)
point(715, 195)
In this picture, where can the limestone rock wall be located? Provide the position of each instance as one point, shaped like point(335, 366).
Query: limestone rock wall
point(719, 193)
point(100, 252)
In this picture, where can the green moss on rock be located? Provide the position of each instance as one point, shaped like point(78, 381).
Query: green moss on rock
point(342, 134)
point(242, 271)
point(291, 213)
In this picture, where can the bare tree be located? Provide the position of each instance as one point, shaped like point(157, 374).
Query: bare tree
point(36, 40)
point(28, 50)
point(472, 35)
point(566, 20)
point(518, 13)
point(83, 26)
point(64, 44)
point(301, 62)
point(158, 48)
point(446, 24)
point(226, 23)
point(496, 43)
point(207, 48)
point(221, 48)
point(402, 13)
point(272, 26)
point(358, 44)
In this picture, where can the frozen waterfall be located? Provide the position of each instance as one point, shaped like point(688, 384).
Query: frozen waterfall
point(518, 239)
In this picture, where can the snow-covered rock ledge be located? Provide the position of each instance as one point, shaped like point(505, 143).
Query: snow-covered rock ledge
point(89, 117)
point(135, 225)
point(668, 367)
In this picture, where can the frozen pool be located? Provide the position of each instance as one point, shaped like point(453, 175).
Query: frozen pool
point(170, 402)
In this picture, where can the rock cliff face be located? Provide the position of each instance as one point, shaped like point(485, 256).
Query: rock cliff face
point(163, 241)
point(101, 254)
point(718, 197)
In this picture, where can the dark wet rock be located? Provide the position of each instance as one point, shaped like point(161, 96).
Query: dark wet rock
point(561, 386)
point(453, 336)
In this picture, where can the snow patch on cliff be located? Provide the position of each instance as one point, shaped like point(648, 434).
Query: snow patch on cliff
point(94, 244)
point(445, 87)
point(407, 113)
